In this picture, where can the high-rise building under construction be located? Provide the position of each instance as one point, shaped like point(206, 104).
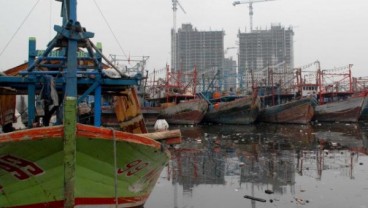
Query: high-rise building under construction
point(201, 49)
point(262, 49)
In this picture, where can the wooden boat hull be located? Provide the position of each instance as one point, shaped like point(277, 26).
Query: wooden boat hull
point(7, 107)
point(190, 112)
point(32, 167)
point(150, 115)
point(296, 111)
point(364, 112)
point(240, 111)
point(343, 111)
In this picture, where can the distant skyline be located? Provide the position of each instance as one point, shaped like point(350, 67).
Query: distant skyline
point(332, 31)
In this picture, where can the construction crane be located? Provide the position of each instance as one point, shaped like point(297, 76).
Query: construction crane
point(175, 8)
point(250, 2)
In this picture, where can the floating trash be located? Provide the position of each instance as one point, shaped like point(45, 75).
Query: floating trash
point(255, 198)
point(268, 191)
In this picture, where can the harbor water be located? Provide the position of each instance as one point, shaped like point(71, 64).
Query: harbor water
point(266, 165)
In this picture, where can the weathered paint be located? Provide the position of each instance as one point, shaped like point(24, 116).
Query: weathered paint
point(140, 161)
point(70, 129)
point(150, 115)
point(128, 112)
point(7, 106)
point(364, 112)
point(342, 111)
point(189, 112)
point(240, 111)
point(295, 111)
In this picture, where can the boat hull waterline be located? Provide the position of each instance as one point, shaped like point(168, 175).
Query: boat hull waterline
point(32, 167)
point(188, 113)
point(239, 111)
point(295, 112)
point(342, 111)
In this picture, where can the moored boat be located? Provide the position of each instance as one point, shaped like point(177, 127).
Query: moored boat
point(174, 99)
point(188, 112)
point(348, 110)
point(299, 111)
point(150, 115)
point(7, 109)
point(109, 167)
point(364, 112)
point(242, 110)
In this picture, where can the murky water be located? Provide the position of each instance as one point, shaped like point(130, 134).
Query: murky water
point(321, 165)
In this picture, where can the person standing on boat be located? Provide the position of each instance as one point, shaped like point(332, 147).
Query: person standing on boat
point(51, 99)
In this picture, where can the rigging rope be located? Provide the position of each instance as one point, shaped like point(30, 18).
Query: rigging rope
point(24, 20)
point(108, 25)
point(116, 170)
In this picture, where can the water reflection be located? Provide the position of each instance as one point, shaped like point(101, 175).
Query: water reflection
point(216, 165)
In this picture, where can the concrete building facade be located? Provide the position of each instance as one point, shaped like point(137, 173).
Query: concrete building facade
point(201, 49)
point(261, 50)
point(229, 75)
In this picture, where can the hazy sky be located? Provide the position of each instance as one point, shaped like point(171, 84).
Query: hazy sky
point(335, 32)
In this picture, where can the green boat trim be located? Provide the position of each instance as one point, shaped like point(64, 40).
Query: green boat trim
point(32, 167)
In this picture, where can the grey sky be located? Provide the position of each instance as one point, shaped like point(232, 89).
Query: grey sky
point(332, 31)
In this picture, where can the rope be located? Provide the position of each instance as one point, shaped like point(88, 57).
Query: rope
point(116, 170)
point(108, 25)
point(104, 57)
point(24, 20)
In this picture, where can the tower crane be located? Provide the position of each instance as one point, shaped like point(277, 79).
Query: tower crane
point(250, 2)
point(173, 46)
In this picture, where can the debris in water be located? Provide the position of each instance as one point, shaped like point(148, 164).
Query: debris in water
point(300, 201)
point(268, 192)
point(254, 198)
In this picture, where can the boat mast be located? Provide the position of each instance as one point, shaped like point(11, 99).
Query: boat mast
point(70, 103)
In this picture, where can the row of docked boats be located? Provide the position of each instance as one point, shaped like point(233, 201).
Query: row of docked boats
point(253, 108)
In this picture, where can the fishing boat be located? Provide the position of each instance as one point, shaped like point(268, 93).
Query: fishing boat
point(238, 110)
point(175, 101)
point(70, 164)
point(281, 106)
point(364, 112)
point(334, 92)
point(299, 111)
point(109, 167)
point(188, 112)
point(347, 110)
point(123, 111)
point(150, 115)
point(180, 109)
